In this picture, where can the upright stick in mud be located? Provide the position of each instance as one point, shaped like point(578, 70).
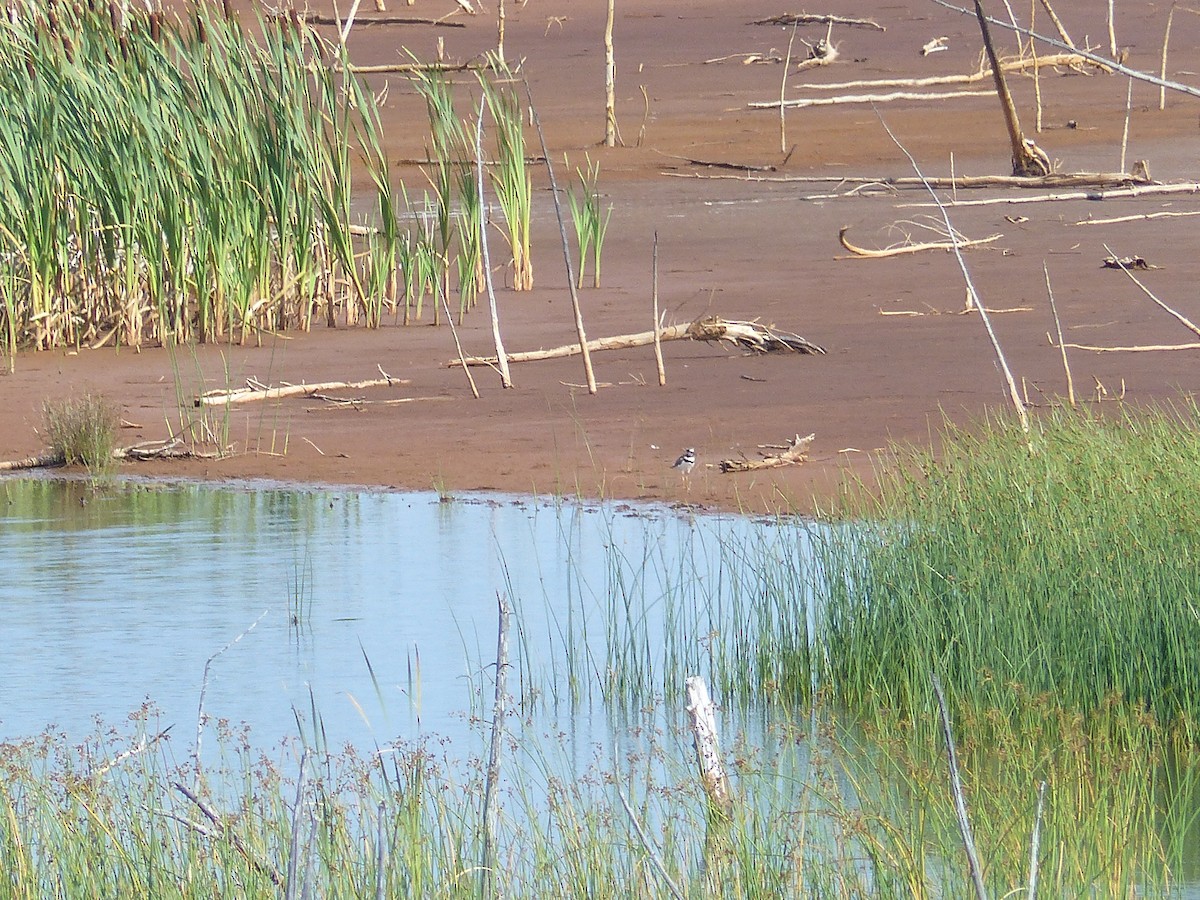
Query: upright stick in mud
point(562, 230)
point(610, 81)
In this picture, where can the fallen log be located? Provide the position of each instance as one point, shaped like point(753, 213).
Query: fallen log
point(1016, 66)
point(819, 19)
point(793, 454)
point(750, 336)
point(171, 449)
point(251, 394)
point(866, 253)
point(47, 460)
point(316, 19)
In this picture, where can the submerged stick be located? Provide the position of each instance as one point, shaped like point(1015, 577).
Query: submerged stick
point(960, 802)
point(562, 230)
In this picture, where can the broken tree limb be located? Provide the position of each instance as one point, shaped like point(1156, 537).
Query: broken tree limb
point(1137, 348)
point(1071, 60)
point(315, 19)
point(745, 335)
point(863, 252)
point(1113, 64)
point(795, 453)
point(1138, 191)
point(818, 19)
point(250, 395)
point(961, 182)
point(1027, 158)
point(49, 460)
point(865, 98)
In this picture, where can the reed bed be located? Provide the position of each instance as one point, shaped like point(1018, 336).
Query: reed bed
point(1056, 570)
point(172, 179)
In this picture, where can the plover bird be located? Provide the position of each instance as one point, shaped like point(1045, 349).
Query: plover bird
point(686, 462)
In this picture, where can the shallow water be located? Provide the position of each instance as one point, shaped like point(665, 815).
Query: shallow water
point(374, 612)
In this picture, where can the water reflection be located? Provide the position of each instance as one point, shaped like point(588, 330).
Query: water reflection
point(380, 607)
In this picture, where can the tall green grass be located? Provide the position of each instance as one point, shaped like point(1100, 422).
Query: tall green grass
point(1068, 571)
point(176, 179)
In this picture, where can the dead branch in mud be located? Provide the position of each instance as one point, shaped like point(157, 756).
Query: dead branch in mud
point(804, 103)
point(49, 460)
point(863, 252)
point(819, 19)
point(470, 65)
point(1116, 220)
point(1057, 60)
point(1027, 157)
point(749, 336)
point(254, 392)
point(316, 19)
point(794, 453)
point(1175, 314)
point(1137, 348)
point(1115, 65)
point(1192, 187)
point(169, 449)
point(961, 182)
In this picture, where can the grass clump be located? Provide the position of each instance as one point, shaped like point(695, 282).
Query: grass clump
point(1062, 566)
point(83, 431)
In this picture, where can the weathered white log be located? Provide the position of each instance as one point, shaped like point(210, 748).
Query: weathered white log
point(703, 718)
point(249, 395)
point(793, 454)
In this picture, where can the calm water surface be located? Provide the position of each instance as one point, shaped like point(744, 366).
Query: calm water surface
point(378, 610)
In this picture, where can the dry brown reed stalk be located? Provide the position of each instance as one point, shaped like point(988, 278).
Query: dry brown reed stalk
point(562, 230)
point(1058, 330)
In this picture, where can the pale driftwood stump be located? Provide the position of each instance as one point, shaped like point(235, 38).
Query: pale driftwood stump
point(793, 454)
point(703, 718)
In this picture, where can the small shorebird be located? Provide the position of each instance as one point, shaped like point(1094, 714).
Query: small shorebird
point(686, 462)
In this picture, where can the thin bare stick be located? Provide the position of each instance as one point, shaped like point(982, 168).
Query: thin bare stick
point(658, 357)
point(249, 395)
point(1125, 133)
point(1139, 217)
point(809, 19)
point(1112, 33)
point(500, 17)
point(200, 717)
point(458, 346)
point(1054, 60)
point(787, 65)
point(650, 851)
point(1062, 32)
point(610, 81)
point(960, 802)
point(1058, 329)
point(491, 813)
point(562, 230)
point(1037, 74)
point(910, 248)
point(1162, 72)
point(501, 356)
point(1179, 317)
point(1013, 394)
point(1113, 194)
point(804, 103)
point(1087, 54)
point(1035, 842)
point(1136, 348)
point(212, 816)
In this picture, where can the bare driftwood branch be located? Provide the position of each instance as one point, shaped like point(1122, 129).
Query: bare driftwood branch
point(865, 98)
point(1192, 187)
point(1061, 45)
point(1056, 60)
point(909, 248)
point(750, 336)
point(962, 182)
point(1136, 348)
point(250, 395)
point(48, 460)
point(819, 19)
point(795, 453)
